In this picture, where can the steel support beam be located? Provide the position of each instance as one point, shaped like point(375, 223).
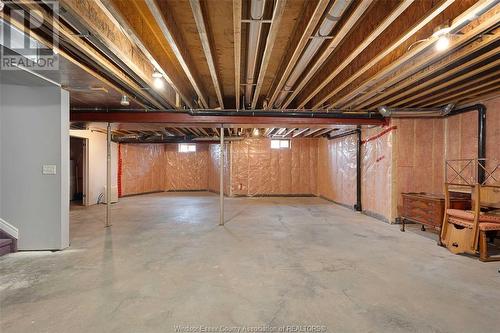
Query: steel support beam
point(262, 118)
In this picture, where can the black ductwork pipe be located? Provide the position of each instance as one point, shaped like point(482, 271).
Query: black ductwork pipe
point(481, 134)
point(253, 113)
point(358, 207)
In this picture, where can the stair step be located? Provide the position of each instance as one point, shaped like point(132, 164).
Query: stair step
point(5, 242)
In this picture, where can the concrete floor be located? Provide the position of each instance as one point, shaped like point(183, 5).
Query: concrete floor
point(278, 261)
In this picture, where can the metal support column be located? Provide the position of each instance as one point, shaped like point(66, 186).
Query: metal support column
point(108, 177)
point(358, 205)
point(221, 171)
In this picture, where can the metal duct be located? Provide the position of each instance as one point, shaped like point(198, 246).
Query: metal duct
point(314, 45)
point(256, 13)
point(388, 112)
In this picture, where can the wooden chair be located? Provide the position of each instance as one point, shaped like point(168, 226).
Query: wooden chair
point(466, 231)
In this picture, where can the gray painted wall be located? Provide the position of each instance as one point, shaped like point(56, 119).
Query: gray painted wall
point(34, 130)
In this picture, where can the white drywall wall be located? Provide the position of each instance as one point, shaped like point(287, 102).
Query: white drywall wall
point(97, 162)
point(34, 131)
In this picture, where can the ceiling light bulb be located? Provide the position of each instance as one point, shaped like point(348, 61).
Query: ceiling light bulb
point(442, 43)
point(158, 83)
point(157, 75)
point(256, 132)
point(125, 101)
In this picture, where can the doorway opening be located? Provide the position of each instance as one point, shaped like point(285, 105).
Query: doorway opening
point(78, 171)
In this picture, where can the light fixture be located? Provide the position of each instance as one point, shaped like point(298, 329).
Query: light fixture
point(125, 101)
point(442, 43)
point(156, 74)
point(255, 132)
point(158, 83)
point(442, 32)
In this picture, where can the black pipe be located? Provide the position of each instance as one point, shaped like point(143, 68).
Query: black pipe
point(253, 113)
point(481, 134)
point(358, 207)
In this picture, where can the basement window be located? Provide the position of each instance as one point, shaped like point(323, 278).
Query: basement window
point(280, 144)
point(187, 147)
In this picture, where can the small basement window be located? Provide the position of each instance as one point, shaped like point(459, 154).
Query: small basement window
point(280, 144)
point(187, 147)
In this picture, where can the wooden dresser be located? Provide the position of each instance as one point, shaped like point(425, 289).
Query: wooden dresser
point(427, 209)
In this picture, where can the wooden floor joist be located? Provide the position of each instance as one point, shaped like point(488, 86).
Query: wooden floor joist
point(413, 30)
point(333, 44)
point(415, 60)
point(207, 49)
point(418, 66)
point(447, 83)
point(297, 51)
point(178, 49)
point(379, 30)
point(279, 8)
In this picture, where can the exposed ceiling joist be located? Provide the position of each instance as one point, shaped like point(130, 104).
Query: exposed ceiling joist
point(149, 51)
point(322, 132)
point(447, 83)
point(341, 34)
point(92, 15)
point(367, 41)
point(299, 132)
point(237, 50)
point(85, 48)
point(419, 57)
point(297, 52)
point(412, 31)
point(177, 48)
point(271, 38)
point(203, 34)
point(450, 96)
